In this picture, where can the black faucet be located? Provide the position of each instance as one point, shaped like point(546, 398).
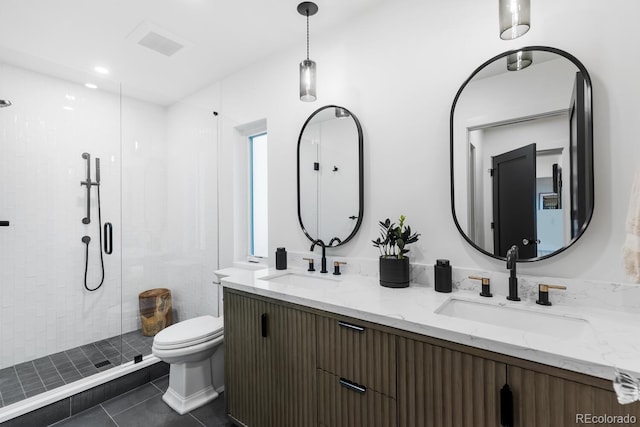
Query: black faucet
point(324, 254)
point(512, 257)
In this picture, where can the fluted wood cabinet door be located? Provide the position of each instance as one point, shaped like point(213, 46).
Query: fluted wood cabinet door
point(245, 359)
point(270, 363)
point(543, 399)
point(438, 386)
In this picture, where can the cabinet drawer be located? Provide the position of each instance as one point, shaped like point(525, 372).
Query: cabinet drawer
point(344, 404)
point(354, 350)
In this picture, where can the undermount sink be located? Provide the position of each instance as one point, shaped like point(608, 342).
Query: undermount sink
point(549, 324)
point(295, 278)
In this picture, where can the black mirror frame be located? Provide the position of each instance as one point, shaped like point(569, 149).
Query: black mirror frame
point(360, 174)
point(588, 140)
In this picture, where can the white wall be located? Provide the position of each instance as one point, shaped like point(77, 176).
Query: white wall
point(398, 69)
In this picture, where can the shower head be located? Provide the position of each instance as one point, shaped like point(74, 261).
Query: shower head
point(4, 103)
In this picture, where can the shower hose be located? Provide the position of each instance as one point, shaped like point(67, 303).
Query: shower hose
point(86, 240)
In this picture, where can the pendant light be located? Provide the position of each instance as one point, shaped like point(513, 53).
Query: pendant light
point(307, 66)
point(519, 60)
point(515, 18)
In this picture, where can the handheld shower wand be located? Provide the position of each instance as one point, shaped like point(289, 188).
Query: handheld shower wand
point(86, 220)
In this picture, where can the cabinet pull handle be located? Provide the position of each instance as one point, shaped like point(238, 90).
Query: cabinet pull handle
point(351, 385)
point(506, 406)
point(108, 238)
point(264, 325)
point(350, 326)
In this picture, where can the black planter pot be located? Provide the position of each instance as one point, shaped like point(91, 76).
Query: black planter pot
point(394, 272)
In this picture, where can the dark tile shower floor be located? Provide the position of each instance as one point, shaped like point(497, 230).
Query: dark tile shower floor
point(37, 376)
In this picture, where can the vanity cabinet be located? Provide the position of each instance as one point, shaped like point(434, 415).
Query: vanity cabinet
point(270, 362)
point(288, 365)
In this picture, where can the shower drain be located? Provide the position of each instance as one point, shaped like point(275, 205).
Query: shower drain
point(101, 364)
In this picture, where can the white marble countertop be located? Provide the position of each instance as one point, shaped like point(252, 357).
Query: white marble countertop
point(610, 340)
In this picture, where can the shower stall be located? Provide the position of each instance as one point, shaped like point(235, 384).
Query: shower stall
point(69, 303)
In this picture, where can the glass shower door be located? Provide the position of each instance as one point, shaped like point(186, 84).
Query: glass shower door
point(60, 293)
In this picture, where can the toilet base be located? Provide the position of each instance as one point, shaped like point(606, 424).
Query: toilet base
point(189, 386)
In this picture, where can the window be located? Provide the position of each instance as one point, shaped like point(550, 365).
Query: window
point(258, 206)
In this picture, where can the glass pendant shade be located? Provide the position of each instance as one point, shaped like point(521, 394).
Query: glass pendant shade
point(308, 80)
point(519, 60)
point(515, 18)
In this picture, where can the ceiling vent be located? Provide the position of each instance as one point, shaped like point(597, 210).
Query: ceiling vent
point(157, 39)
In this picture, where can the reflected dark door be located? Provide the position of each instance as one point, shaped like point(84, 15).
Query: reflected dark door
point(514, 202)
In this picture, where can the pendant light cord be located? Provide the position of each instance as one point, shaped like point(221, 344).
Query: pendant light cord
point(307, 34)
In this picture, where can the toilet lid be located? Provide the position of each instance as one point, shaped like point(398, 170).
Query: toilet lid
point(198, 329)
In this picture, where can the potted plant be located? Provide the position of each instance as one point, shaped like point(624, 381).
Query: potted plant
point(392, 243)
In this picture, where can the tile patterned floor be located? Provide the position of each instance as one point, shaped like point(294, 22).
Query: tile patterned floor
point(143, 406)
point(37, 376)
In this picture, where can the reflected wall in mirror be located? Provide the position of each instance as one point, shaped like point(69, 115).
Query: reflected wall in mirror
point(330, 175)
point(522, 154)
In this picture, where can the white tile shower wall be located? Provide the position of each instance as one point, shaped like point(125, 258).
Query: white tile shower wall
point(44, 306)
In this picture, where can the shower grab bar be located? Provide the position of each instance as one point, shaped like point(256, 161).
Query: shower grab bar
point(108, 238)
point(4, 223)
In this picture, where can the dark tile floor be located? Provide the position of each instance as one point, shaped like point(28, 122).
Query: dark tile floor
point(37, 376)
point(143, 406)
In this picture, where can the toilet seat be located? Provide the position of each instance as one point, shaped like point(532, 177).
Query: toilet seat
point(189, 333)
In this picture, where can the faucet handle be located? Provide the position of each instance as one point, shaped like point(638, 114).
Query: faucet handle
point(311, 267)
point(486, 285)
point(543, 293)
point(336, 267)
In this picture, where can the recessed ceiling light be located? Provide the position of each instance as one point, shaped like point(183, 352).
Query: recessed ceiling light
point(101, 70)
point(91, 86)
point(66, 107)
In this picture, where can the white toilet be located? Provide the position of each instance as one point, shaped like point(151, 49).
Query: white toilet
point(194, 349)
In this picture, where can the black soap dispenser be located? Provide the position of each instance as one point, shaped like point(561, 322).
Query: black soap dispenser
point(281, 259)
point(442, 273)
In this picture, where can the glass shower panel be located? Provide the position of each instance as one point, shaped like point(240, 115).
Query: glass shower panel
point(169, 208)
point(53, 330)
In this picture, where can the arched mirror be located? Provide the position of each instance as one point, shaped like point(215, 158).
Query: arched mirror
point(522, 153)
point(330, 175)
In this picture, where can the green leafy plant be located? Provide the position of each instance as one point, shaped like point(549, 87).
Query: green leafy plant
point(393, 240)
